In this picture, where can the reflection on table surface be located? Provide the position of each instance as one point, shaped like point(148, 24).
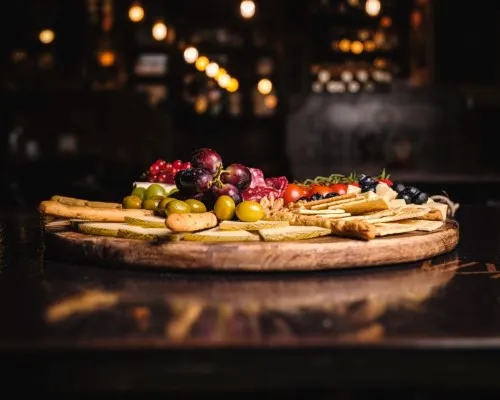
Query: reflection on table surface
point(53, 304)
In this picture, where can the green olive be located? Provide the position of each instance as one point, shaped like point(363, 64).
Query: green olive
point(224, 208)
point(163, 205)
point(152, 203)
point(155, 190)
point(177, 207)
point(196, 206)
point(139, 192)
point(249, 211)
point(132, 202)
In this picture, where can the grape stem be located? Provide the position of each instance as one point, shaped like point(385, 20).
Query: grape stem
point(217, 181)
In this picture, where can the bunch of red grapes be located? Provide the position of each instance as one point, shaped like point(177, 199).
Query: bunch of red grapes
point(207, 179)
point(164, 172)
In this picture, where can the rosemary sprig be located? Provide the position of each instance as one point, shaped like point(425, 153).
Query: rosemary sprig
point(338, 178)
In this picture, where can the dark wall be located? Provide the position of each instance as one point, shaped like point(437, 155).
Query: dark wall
point(412, 131)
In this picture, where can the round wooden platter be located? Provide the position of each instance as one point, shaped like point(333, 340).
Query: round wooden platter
point(307, 255)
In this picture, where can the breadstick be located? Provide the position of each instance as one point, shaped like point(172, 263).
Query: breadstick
point(191, 222)
point(57, 209)
point(71, 201)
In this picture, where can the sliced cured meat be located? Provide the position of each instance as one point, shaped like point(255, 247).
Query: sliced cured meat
point(257, 193)
point(257, 178)
point(279, 183)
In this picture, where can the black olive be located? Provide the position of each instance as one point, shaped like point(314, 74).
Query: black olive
point(412, 191)
point(398, 187)
point(303, 199)
point(330, 195)
point(421, 198)
point(316, 196)
point(365, 180)
point(369, 187)
point(405, 196)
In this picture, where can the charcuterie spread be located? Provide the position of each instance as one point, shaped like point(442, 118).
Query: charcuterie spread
point(201, 200)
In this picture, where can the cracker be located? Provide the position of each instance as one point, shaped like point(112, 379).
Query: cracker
point(423, 225)
point(364, 206)
point(334, 216)
point(333, 200)
point(305, 211)
point(387, 228)
point(401, 215)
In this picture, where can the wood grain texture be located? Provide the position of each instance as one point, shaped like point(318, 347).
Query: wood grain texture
point(308, 255)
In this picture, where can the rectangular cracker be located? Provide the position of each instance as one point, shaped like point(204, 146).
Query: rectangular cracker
point(373, 215)
point(305, 211)
point(363, 207)
point(326, 206)
point(313, 204)
point(400, 216)
point(423, 225)
point(387, 228)
point(334, 216)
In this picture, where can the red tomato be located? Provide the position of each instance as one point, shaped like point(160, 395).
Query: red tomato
point(386, 181)
point(339, 188)
point(293, 192)
point(320, 189)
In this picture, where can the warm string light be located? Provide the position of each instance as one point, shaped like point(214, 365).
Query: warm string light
point(211, 69)
point(106, 58)
point(247, 9)
point(372, 7)
point(265, 86)
point(136, 12)
point(191, 55)
point(159, 31)
point(46, 36)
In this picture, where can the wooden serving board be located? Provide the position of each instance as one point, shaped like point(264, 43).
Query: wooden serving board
point(307, 255)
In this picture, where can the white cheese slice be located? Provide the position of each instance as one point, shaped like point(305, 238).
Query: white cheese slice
point(353, 189)
point(385, 191)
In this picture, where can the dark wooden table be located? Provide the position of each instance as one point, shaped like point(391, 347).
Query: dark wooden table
point(428, 325)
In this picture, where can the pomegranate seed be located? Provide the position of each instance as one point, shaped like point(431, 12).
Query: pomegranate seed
point(162, 163)
point(186, 165)
point(170, 179)
point(168, 167)
point(177, 164)
point(162, 178)
point(154, 170)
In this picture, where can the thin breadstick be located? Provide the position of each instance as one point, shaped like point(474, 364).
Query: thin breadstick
point(54, 208)
point(71, 201)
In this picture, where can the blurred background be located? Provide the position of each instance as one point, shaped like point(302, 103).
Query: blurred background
point(94, 91)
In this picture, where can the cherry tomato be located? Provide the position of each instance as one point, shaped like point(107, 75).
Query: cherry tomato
point(386, 181)
point(305, 191)
point(293, 192)
point(320, 189)
point(339, 188)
